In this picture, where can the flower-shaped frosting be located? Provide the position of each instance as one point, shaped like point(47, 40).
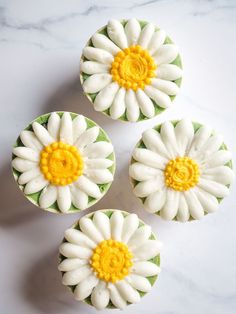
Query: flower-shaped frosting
point(181, 170)
point(66, 162)
point(109, 259)
point(130, 70)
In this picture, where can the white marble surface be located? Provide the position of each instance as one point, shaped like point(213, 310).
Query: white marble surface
point(40, 47)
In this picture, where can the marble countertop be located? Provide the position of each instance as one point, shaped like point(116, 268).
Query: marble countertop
point(40, 47)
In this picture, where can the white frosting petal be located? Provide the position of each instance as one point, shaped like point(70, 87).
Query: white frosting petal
point(88, 187)
point(98, 150)
point(118, 107)
point(147, 250)
point(214, 188)
point(105, 97)
point(26, 153)
point(102, 223)
point(132, 106)
point(93, 67)
point(166, 54)
point(48, 196)
point(132, 31)
point(99, 176)
point(99, 163)
point(157, 41)
point(116, 33)
point(141, 172)
point(29, 139)
point(209, 202)
point(211, 146)
point(169, 72)
point(88, 137)
point(28, 175)
point(35, 185)
point(88, 227)
point(169, 138)
point(145, 269)
point(75, 236)
point(23, 165)
point(219, 158)
point(116, 222)
point(85, 287)
point(155, 201)
point(75, 276)
point(194, 206)
point(116, 299)
point(103, 42)
point(145, 188)
point(78, 197)
point(71, 250)
point(140, 235)
point(66, 131)
point(184, 133)
point(139, 282)
point(145, 104)
point(63, 198)
point(100, 296)
point(127, 291)
point(149, 158)
point(146, 35)
point(200, 138)
point(170, 208)
point(183, 214)
point(160, 98)
point(99, 55)
point(152, 140)
point(42, 134)
point(221, 174)
point(167, 87)
point(96, 82)
point(71, 264)
point(53, 125)
point(130, 225)
point(79, 125)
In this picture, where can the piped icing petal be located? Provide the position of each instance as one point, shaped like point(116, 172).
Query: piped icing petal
point(166, 54)
point(99, 163)
point(100, 296)
point(132, 106)
point(93, 67)
point(139, 236)
point(97, 54)
point(79, 125)
point(200, 138)
point(75, 276)
point(48, 196)
point(141, 172)
point(221, 174)
point(23, 165)
point(66, 131)
point(147, 250)
point(183, 214)
point(87, 137)
point(118, 106)
point(116, 221)
point(85, 287)
point(116, 298)
point(71, 250)
point(219, 158)
point(153, 141)
point(89, 187)
point(89, 229)
point(26, 153)
point(77, 237)
point(42, 134)
point(29, 139)
point(157, 40)
point(170, 208)
point(169, 139)
point(208, 201)
point(79, 198)
point(169, 72)
point(96, 82)
point(195, 208)
point(214, 188)
point(160, 98)
point(129, 294)
point(98, 150)
point(35, 185)
point(144, 188)
point(130, 225)
point(102, 223)
point(155, 201)
point(184, 133)
point(145, 104)
point(99, 176)
point(63, 198)
point(116, 33)
point(139, 282)
point(145, 269)
point(132, 31)
point(105, 97)
point(71, 264)
point(103, 42)
point(53, 126)
point(146, 35)
point(28, 175)
point(149, 158)
point(167, 87)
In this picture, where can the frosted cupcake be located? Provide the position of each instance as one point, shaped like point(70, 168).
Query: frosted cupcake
point(181, 170)
point(130, 70)
point(109, 259)
point(63, 162)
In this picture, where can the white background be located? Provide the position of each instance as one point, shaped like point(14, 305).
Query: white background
point(40, 47)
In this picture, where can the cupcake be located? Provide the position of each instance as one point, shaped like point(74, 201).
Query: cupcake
point(63, 162)
point(109, 259)
point(181, 170)
point(130, 70)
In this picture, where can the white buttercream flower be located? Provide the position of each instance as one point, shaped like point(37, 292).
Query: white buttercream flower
point(64, 162)
point(181, 170)
point(131, 70)
point(108, 258)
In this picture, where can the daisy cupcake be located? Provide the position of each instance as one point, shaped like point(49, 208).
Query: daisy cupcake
point(63, 162)
point(181, 170)
point(109, 259)
point(130, 70)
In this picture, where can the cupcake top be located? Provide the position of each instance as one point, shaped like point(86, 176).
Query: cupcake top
point(130, 70)
point(109, 259)
point(181, 170)
point(63, 162)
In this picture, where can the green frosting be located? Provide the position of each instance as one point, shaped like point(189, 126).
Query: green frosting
point(158, 109)
point(156, 260)
point(34, 198)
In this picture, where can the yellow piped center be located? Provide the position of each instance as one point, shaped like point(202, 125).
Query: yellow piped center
point(133, 68)
point(182, 173)
point(61, 163)
point(111, 260)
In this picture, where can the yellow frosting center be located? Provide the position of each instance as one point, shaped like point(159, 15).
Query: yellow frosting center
point(61, 163)
point(181, 174)
point(111, 260)
point(133, 68)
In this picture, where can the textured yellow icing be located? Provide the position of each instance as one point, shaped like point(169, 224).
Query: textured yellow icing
point(181, 173)
point(61, 163)
point(133, 68)
point(111, 260)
